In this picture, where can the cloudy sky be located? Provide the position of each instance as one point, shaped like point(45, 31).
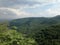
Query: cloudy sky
point(29, 8)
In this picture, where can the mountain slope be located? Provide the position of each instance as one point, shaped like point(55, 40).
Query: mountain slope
point(30, 25)
point(36, 20)
point(36, 31)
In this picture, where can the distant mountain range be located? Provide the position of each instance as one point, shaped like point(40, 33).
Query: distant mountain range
point(36, 20)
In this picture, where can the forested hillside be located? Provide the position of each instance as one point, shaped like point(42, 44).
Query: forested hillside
point(31, 31)
point(33, 24)
point(12, 37)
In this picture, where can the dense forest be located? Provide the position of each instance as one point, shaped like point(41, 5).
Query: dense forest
point(30, 31)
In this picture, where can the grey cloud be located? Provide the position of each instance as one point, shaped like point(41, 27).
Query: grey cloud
point(10, 3)
point(6, 14)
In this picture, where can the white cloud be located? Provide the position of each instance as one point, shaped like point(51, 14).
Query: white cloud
point(33, 6)
point(19, 14)
point(20, 8)
point(46, 1)
point(11, 9)
point(50, 12)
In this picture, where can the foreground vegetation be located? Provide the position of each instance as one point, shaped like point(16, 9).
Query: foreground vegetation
point(12, 37)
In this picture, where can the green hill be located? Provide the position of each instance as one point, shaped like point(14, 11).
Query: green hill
point(31, 31)
point(28, 25)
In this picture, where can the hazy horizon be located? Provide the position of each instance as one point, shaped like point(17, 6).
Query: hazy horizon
point(12, 9)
